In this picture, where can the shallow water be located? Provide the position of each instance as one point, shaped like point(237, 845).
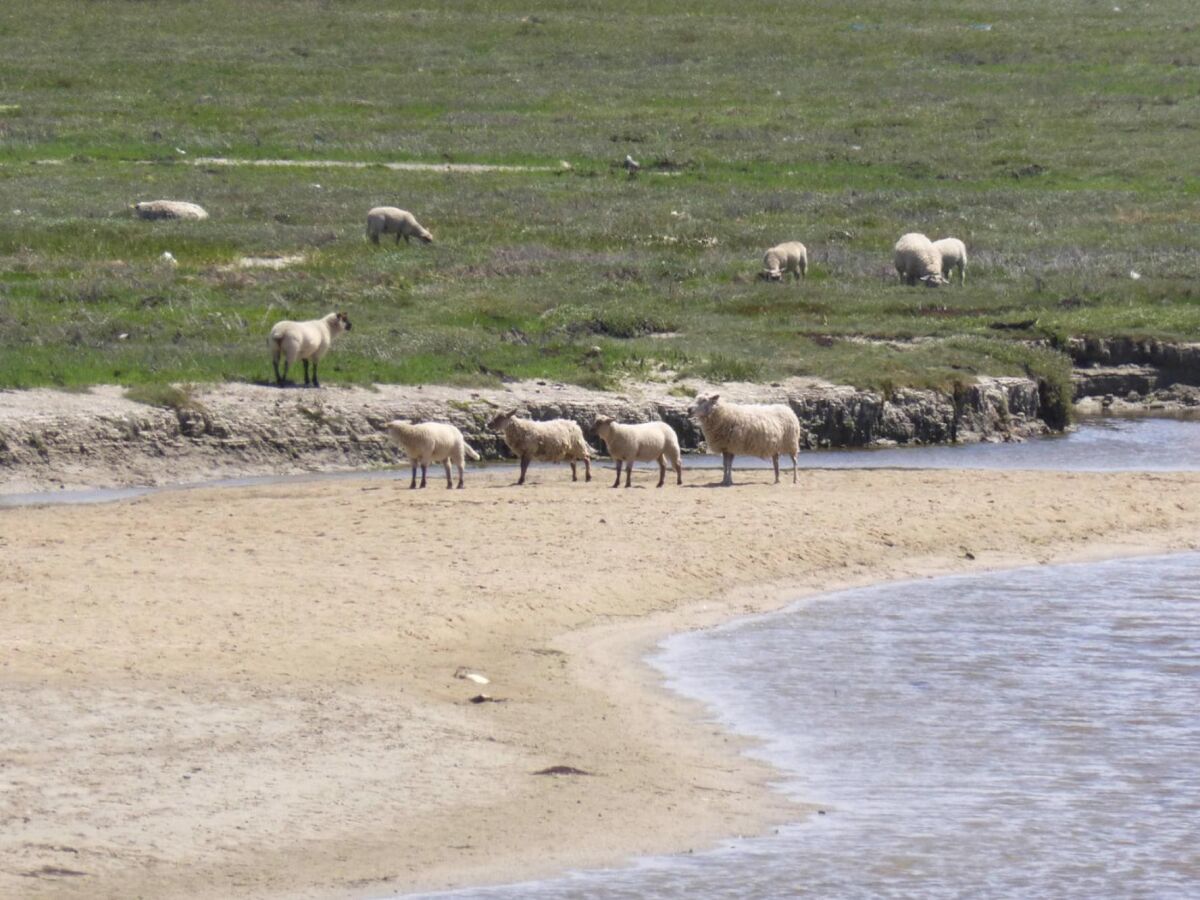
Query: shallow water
point(1031, 733)
point(1097, 446)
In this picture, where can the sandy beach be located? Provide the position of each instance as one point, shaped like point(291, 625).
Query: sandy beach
point(252, 692)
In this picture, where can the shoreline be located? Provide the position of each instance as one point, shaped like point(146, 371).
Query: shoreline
point(293, 697)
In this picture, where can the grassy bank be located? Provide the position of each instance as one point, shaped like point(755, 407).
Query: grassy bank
point(1056, 139)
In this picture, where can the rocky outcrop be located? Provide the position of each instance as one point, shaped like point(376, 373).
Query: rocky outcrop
point(1134, 370)
point(100, 438)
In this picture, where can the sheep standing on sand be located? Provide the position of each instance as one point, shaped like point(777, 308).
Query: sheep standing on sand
point(789, 257)
point(169, 209)
point(917, 260)
point(558, 440)
point(431, 442)
point(954, 256)
point(304, 341)
point(400, 222)
point(641, 443)
point(759, 430)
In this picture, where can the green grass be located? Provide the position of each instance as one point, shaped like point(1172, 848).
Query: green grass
point(1059, 143)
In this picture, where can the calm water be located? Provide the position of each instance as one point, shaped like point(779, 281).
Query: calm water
point(1098, 445)
point(1032, 733)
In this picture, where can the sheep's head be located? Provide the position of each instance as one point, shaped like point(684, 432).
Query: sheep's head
point(933, 280)
point(339, 321)
point(425, 236)
point(771, 275)
point(498, 422)
point(603, 425)
point(704, 406)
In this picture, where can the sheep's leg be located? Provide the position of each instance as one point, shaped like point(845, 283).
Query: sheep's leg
point(574, 473)
point(678, 472)
point(449, 480)
point(460, 475)
point(628, 472)
point(304, 362)
point(275, 366)
point(412, 484)
point(662, 469)
point(424, 472)
point(727, 462)
point(617, 483)
point(315, 382)
point(795, 467)
point(587, 467)
point(524, 467)
point(775, 463)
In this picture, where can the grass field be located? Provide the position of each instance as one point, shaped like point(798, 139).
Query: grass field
point(1058, 139)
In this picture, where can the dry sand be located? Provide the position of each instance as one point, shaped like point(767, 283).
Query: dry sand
point(251, 692)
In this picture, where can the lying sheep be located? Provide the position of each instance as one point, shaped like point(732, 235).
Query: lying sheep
point(304, 341)
point(431, 442)
point(641, 443)
point(553, 441)
point(954, 256)
point(917, 260)
point(760, 430)
point(400, 222)
point(169, 209)
point(790, 257)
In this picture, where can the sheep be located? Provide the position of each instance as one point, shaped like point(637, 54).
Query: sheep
point(431, 442)
point(917, 259)
point(954, 256)
point(789, 257)
point(304, 341)
point(553, 441)
point(169, 209)
point(400, 222)
point(760, 430)
point(643, 443)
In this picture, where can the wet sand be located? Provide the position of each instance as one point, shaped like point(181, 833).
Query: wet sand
point(251, 692)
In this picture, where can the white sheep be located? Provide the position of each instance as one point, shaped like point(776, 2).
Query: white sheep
point(400, 222)
point(759, 430)
point(304, 341)
point(557, 440)
point(954, 256)
point(642, 443)
point(788, 257)
point(431, 442)
point(169, 209)
point(917, 260)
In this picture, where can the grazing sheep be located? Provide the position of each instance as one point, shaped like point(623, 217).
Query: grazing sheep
point(760, 430)
point(553, 441)
point(400, 222)
point(169, 209)
point(954, 256)
point(431, 442)
point(917, 259)
point(304, 341)
point(790, 257)
point(641, 443)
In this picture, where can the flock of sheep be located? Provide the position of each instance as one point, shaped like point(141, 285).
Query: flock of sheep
point(917, 259)
point(766, 431)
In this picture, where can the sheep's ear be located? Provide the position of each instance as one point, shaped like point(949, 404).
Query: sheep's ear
point(714, 398)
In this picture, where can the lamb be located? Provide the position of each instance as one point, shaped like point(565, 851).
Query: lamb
point(431, 442)
point(169, 209)
point(553, 441)
point(789, 257)
point(760, 430)
point(400, 222)
point(304, 341)
point(954, 256)
point(643, 443)
point(917, 259)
